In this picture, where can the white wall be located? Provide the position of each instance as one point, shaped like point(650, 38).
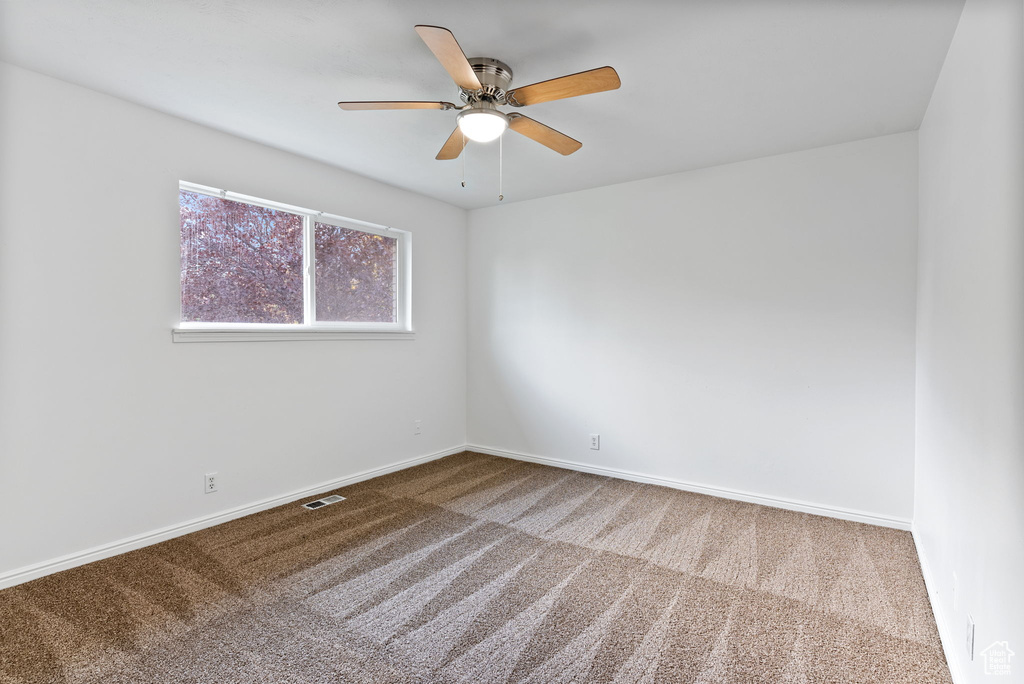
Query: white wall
point(747, 327)
point(969, 495)
point(106, 426)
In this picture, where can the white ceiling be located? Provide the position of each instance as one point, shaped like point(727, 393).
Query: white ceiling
point(704, 82)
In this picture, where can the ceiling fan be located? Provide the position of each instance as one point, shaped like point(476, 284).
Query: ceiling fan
point(484, 86)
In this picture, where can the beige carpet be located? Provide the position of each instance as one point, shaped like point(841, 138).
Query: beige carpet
point(481, 569)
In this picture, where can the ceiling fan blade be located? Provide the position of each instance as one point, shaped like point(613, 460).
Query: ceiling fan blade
point(583, 83)
point(444, 46)
point(385, 104)
point(453, 146)
point(545, 135)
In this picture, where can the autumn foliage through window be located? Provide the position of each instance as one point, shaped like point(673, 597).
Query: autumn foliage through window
point(355, 275)
point(243, 263)
point(239, 263)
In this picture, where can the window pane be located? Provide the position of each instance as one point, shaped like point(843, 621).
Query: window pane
point(355, 275)
point(239, 263)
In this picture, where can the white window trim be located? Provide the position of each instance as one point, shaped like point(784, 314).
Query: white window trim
point(188, 331)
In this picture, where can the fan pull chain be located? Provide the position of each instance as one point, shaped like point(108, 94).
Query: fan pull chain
point(500, 149)
point(463, 155)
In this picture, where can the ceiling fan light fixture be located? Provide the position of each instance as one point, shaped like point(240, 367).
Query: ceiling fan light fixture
point(482, 125)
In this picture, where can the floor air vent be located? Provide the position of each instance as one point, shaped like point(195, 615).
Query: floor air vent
point(326, 501)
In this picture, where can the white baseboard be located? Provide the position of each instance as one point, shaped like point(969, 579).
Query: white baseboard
point(774, 502)
point(950, 646)
point(37, 570)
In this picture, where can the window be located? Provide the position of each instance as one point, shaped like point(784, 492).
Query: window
point(256, 269)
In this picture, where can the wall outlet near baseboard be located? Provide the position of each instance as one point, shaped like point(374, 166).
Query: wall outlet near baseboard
point(210, 483)
point(595, 442)
point(417, 427)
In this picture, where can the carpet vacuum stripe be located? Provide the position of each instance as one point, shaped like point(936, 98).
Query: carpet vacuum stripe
point(475, 568)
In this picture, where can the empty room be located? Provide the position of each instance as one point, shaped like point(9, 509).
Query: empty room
point(438, 341)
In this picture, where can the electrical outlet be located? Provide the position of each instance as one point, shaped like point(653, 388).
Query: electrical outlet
point(210, 483)
point(595, 442)
point(417, 427)
point(970, 637)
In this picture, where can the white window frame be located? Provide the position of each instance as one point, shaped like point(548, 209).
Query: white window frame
point(193, 331)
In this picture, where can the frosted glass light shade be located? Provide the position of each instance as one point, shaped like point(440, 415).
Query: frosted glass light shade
point(482, 125)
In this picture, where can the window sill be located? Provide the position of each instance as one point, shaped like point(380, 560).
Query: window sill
point(307, 334)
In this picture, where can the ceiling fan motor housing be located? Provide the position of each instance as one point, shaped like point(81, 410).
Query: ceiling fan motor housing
point(494, 75)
